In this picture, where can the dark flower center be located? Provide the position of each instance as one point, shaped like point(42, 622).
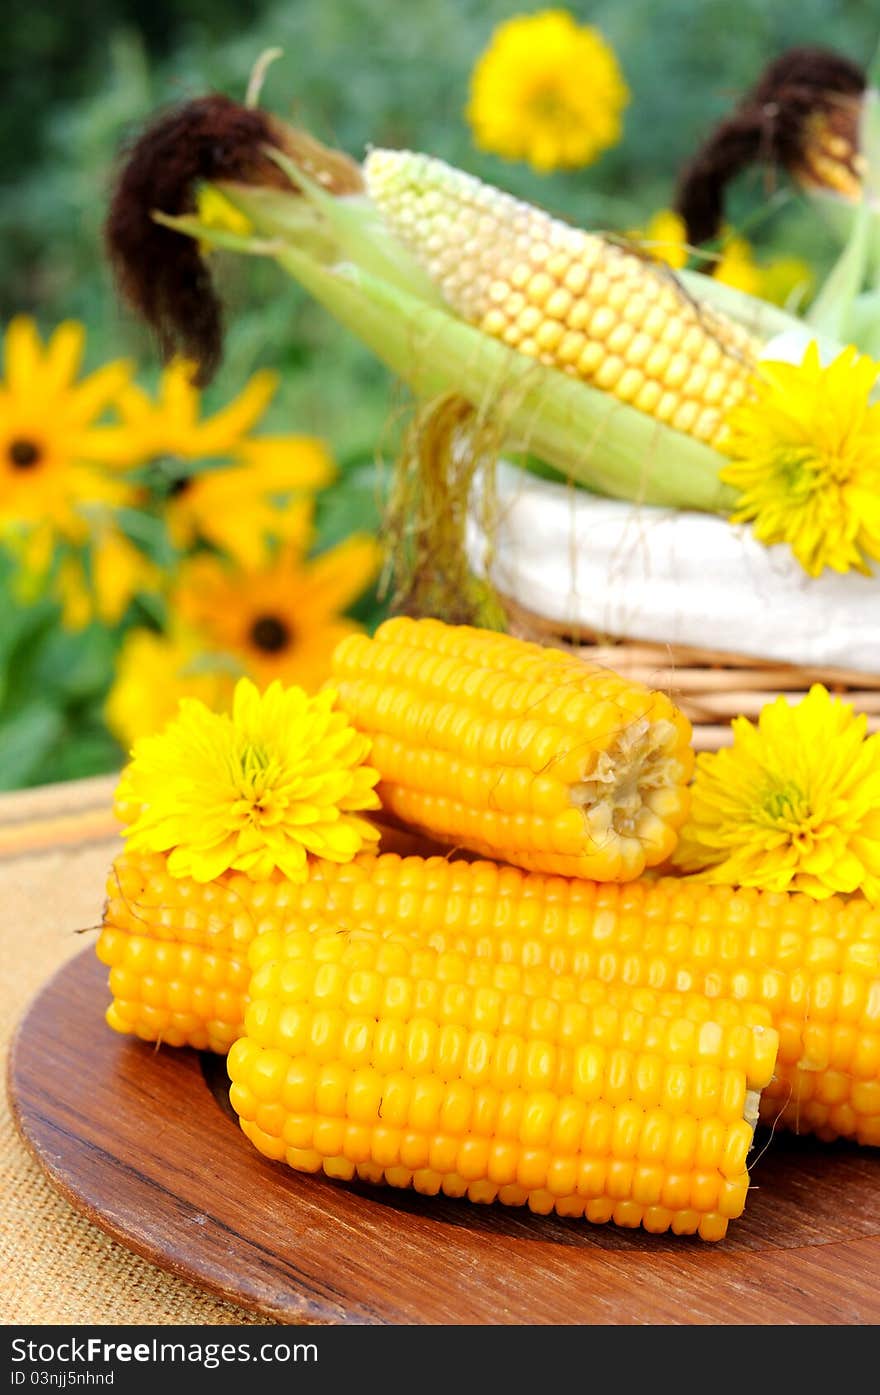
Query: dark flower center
point(180, 486)
point(24, 454)
point(270, 634)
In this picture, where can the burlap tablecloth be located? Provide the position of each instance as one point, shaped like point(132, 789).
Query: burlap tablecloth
point(55, 1266)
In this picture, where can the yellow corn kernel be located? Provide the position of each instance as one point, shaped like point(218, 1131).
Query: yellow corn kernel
point(518, 751)
point(592, 284)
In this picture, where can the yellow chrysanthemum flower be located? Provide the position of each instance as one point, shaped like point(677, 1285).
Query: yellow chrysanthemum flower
point(258, 790)
point(282, 619)
point(805, 448)
point(238, 509)
point(54, 459)
point(153, 673)
point(547, 90)
point(793, 805)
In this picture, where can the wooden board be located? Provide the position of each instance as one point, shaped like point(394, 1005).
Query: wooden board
point(144, 1142)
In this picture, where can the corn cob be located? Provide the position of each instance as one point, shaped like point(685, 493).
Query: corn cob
point(571, 299)
point(178, 956)
point(177, 948)
point(390, 1061)
point(811, 968)
point(517, 751)
point(177, 951)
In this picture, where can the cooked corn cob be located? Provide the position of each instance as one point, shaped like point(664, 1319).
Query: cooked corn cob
point(177, 951)
point(571, 299)
point(178, 956)
point(177, 948)
point(517, 751)
point(386, 1059)
point(812, 966)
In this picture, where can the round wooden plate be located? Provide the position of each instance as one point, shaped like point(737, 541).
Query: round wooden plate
point(144, 1142)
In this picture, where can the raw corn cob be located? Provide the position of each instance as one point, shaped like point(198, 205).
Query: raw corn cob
point(813, 967)
point(517, 751)
point(571, 299)
point(380, 1057)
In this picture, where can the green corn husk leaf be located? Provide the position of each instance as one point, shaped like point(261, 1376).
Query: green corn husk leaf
point(865, 322)
point(831, 311)
point(358, 231)
point(586, 434)
point(222, 238)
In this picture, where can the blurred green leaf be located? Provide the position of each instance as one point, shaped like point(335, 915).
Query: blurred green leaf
point(24, 742)
point(75, 664)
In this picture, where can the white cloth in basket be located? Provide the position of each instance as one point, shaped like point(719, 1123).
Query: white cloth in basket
point(641, 573)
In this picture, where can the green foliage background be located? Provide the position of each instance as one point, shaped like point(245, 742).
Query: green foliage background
point(356, 72)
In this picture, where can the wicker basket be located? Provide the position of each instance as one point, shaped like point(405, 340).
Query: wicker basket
point(708, 685)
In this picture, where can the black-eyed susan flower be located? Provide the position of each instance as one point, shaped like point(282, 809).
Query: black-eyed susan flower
point(99, 583)
point(284, 775)
point(805, 448)
point(283, 619)
point(56, 458)
point(547, 90)
point(240, 508)
point(173, 425)
point(793, 805)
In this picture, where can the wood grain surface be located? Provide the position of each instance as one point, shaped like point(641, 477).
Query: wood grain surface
point(144, 1143)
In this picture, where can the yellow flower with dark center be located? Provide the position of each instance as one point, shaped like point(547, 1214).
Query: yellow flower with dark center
point(153, 672)
point(547, 90)
point(257, 790)
point(238, 509)
point(805, 448)
point(282, 619)
point(793, 805)
point(55, 459)
point(101, 585)
point(173, 424)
